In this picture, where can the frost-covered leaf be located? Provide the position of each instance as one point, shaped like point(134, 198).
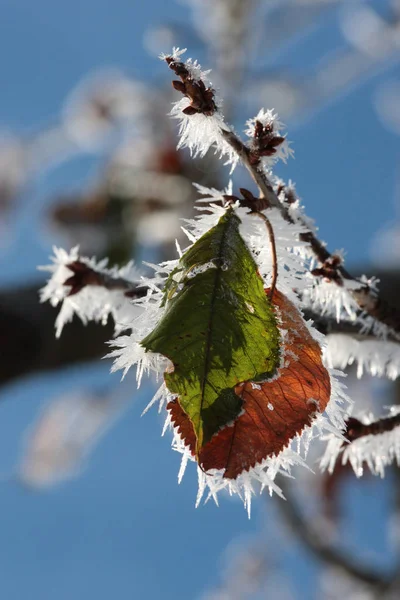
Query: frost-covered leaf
point(219, 328)
point(275, 409)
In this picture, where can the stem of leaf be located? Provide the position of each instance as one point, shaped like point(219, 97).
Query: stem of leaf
point(273, 251)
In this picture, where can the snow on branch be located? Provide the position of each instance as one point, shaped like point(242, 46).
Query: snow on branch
point(373, 442)
point(380, 358)
point(285, 259)
point(64, 434)
point(203, 126)
point(200, 111)
point(91, 290)
point(267, 143)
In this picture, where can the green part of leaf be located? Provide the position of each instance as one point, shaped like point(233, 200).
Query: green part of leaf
point(218, 329)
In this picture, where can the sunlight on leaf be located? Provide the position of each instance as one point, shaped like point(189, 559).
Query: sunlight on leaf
point(219, 328)
point(274, 410)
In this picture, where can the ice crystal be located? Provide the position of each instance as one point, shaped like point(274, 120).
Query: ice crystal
point(327, 298)
point(291, 270)
point(199, 132)
point(270, 118)
point(64, 434)
point(376, 357)
point(92, 303)
point(375, 451)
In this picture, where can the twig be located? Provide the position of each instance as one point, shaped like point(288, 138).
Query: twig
point(317, 544)
point(356, 429)
point(268, 196)
point(83, 275)
point(202, 101)
point(366, 299)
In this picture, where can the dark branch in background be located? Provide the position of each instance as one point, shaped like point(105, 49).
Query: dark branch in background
point(265, 143)
point(27, 327)
point(27, 336)
point(356, 429)
point(316, 542)
point(27, 332)
point(83, 275)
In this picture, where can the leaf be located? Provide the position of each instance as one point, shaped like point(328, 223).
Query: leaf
point(274, 411)
point(219, 328)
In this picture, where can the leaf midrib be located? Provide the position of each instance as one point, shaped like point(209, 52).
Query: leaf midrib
point(209, 328)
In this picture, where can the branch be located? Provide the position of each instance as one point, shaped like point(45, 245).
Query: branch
point(315, 541)
point(27, 330)
point(266, 143)
point(268, 196)
point(356, 429)
point(83, 275)
point(374, 445)
point(366, 299)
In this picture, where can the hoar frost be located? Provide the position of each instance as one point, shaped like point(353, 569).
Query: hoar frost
point(376, 451)
point(138, 317)
point(199, 132)
point(91, 303)
point(291, 271)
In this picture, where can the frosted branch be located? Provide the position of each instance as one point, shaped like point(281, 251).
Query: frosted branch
point(375, 443)
point(376, 357)
point(91, 290)
point(318, 543)
point(267, 142)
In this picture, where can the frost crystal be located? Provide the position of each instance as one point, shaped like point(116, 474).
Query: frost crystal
point(327, 298)
point(199, 132)
point(291, 270)
point(270, 119)
point(376, 357)
point(91, 303)
point(64, 434)
point(376, 451)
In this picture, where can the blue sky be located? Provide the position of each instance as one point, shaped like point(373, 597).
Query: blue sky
point(125, 529)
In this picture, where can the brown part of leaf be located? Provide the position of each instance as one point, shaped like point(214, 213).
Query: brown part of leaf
point(301, 390)
point(183, 424)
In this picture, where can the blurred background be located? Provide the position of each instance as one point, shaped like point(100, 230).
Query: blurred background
point(91, 507)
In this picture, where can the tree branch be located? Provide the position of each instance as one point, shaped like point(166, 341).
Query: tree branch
point(356, 429)
point(202, 100)
point(83, 275)
point(366, 299)
point(316, 542)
